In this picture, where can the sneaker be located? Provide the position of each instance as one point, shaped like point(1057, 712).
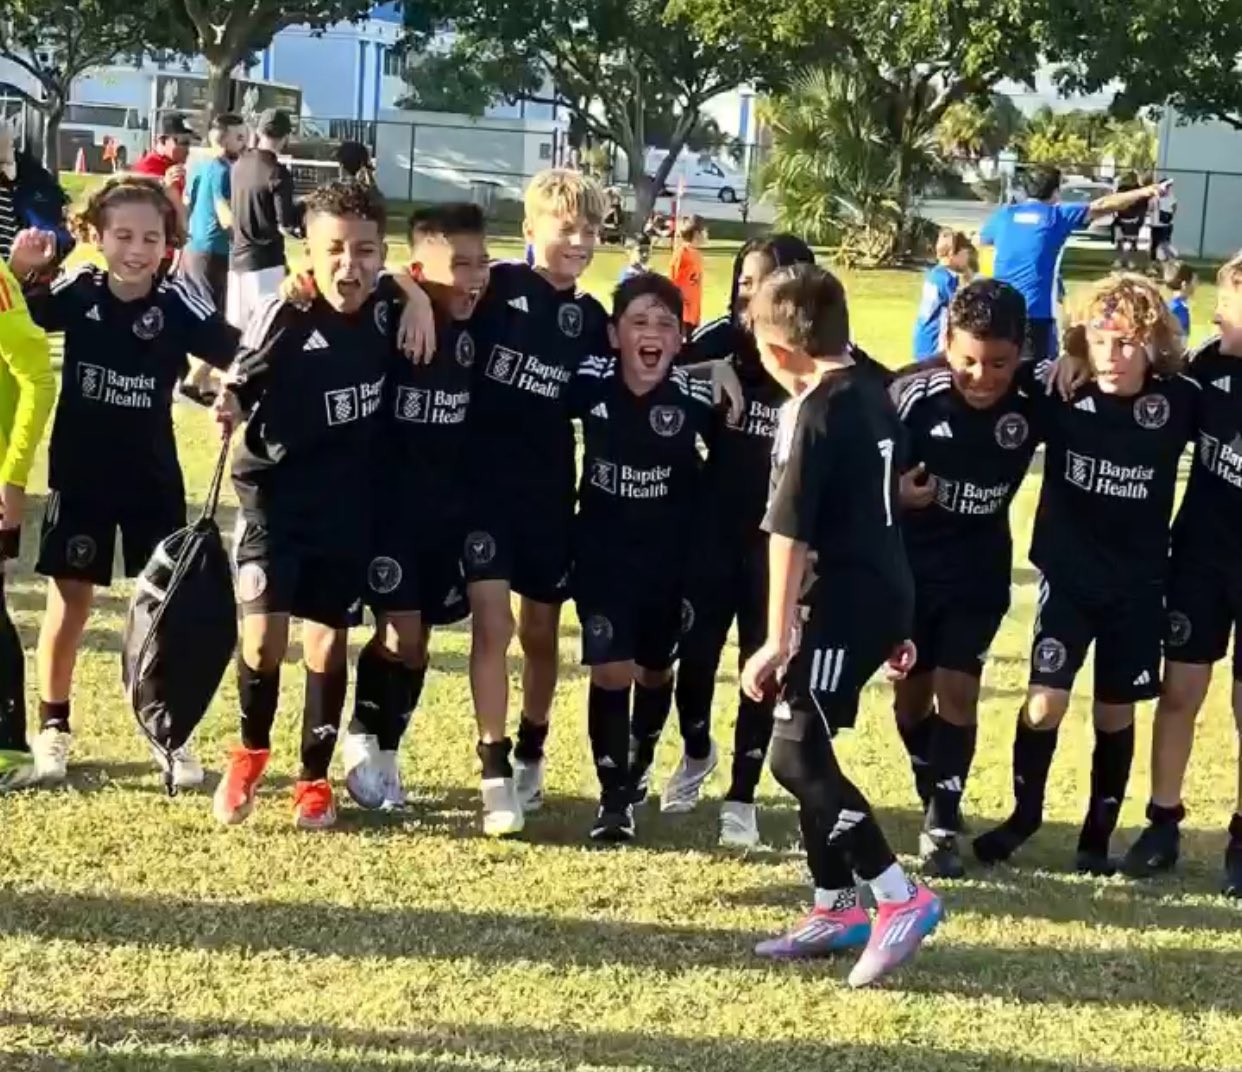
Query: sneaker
point(997, 845)
point(312, 805)
point(1154, 853)
point(51, 755)
point(502, 810)
point(938, 856)
point(1232, 886)
point(528, 781)
point(1097, 864)
point(739, 825)
point(681, 794)
point(820, 933)
point(613, 825)
point(187, 771)
point(898, 932)
point(364, 780)
point(234, 797)
point(390, 782)
point(17, 770)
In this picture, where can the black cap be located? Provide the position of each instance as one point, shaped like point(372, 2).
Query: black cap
point(275, 123)
point(174, 125)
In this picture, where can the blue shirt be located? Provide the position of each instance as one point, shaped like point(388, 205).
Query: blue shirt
point(209, 183)
point(630, 271)
point(939, 286)
point(1029, 239)
point(1180, 308)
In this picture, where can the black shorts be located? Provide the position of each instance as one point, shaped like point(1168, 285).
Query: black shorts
point(625, 619)
point(207, 271)
point(954, 633)
point(420, 573)
point(524, 543)
point(724, 583)
point(1204, 604)
point(1040, 341)
point(276, 575)
point(1126, 626)
point(838, 652)
point(78, 538)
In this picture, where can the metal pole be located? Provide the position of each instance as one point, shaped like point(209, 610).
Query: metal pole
point(1207, 190)
point(413, 131)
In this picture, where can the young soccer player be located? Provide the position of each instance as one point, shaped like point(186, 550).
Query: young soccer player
point(840, 606)
point(113, 457)
point(953, 251)
point(640, 466)
point(686, 269)
point(520, 478)
point(414, 580)
point(312, 383)
point(27, 393)
point(969, 424)
point(1179, 285)
point(1101, 545)
point(1204, 597)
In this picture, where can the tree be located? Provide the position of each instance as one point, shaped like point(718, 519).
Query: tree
point(611, 64)
point(55, 42)
point(1059, 139)
point(226, 32)
point(977, 129)
point(1132, 144)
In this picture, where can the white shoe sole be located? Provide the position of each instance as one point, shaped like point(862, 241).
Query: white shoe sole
point(734, 842)
point(503, 825)
point(325, 823)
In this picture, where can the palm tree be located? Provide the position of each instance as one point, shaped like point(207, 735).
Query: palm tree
point(973, 130)
point(1132, 144)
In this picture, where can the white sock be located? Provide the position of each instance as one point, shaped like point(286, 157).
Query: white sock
point(835, 900)
point(892, 886)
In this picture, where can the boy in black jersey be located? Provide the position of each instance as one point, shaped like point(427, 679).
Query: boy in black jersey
point(312, 384)
point(970, 437)
point(520, 477)
point(414, 579)
point(113, 457)
point(1101, 545)
point(639, 468)
point(840, 606)
point(1204, 597)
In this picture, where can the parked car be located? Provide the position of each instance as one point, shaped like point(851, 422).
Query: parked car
point(705, 177)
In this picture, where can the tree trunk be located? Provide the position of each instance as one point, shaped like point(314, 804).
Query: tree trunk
point(219, 84)
point(645, 194)
point(52, 116)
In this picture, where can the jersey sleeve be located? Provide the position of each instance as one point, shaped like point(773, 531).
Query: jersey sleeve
point(52, 305)
point(991, 228)
point(794, 508)
point(589, 384)
point(595, 332)
point(711, 342)
point(207, 334)
point(261, 344)
point(700, 402)
point(27, 362)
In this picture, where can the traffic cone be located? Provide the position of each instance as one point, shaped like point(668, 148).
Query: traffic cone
point(79, 164)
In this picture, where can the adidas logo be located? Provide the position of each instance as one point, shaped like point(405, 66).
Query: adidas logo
point(519, 303)
point(755, 753)
point(1222, 384)
point(1143, 679)
point(607, 763)
point(942, 431)
point(93, 314)
point(454, 596)
point(951, 785)
point(315, 342)
point(600, 410)
point(1087, 405)
point(322, 733)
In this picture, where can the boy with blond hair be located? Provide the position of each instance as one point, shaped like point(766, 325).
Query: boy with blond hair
point(520, 476)
point(940, 283)
point(1204, 596)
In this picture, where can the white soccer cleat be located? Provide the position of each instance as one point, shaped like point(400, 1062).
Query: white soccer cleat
point(51, 755)
point(681, 794)
point(502, 810)
point(390, 781)
point(187, 771)
point(528, 782)
point(739, 825)
point(364, 780)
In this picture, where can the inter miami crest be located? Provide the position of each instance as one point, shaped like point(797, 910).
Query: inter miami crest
point(597, 633)
point(464, 350)
point(381, 317)
point(384, 575)
point(1011, 431)
point(1049, 655)
point(480, 548)
point(569, 317)
point(1151, 411)
point(667, 420)
point(80, 552)
point(251, 582)
point(150, 324)
point(1179, 629)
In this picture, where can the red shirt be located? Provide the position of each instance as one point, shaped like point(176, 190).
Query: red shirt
point(155, 164)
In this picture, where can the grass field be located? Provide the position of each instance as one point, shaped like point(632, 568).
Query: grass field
point(136, 935)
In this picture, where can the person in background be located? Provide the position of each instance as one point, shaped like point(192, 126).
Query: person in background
point(355, 163)
point(640, 258)
point(686, 269)
point(30, 198)
point(1129, 223)
point(940, 283)
point(205, 261)
point(1179, 285)
point(1160, 224)
point(166, 161)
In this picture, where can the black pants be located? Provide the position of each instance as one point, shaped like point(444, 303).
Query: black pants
point(12, 681)
point(209, 272)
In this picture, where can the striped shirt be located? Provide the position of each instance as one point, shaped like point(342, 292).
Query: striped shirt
point(9, 225)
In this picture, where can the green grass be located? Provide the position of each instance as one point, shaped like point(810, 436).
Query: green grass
point(137, 936)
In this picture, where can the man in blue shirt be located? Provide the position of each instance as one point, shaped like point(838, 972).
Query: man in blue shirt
point(205, 260)
point(1030, 238)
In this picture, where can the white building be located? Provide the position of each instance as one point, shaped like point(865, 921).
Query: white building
point(1204, 160)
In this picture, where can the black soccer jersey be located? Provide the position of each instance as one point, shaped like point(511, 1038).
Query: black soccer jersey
point(112, 439)
point(835, 469)
point(977, 458)
point(1110, 473)
point(521, 438)
point(313, 383)
point(1209, 522)
point(640, 466)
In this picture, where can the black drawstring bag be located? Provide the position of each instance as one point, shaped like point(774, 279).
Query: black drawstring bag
point(180, 631)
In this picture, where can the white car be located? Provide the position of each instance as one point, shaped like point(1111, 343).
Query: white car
point(705, 177)
point(1080, 192)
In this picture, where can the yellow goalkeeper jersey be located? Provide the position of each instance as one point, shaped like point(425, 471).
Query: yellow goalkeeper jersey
point(27, 383)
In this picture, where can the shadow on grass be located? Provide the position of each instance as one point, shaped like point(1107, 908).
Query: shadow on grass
point(469, 1048)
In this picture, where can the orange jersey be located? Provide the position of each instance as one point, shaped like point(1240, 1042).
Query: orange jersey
point(687, 272)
